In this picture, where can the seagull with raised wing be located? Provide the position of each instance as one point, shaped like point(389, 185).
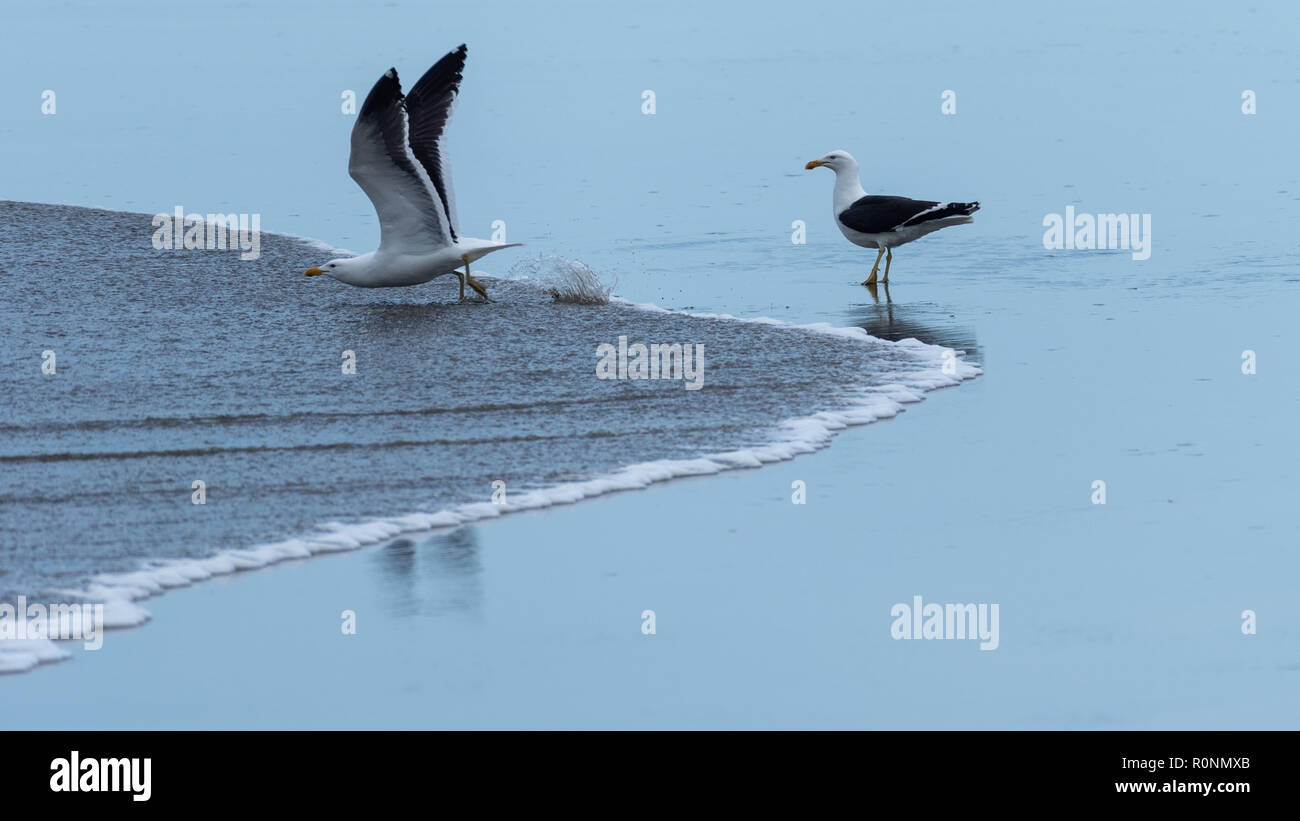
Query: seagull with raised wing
point(400, 160)
point(880, 222)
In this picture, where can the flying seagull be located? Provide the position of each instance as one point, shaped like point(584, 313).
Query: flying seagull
point(399, 159)
point(884, 222)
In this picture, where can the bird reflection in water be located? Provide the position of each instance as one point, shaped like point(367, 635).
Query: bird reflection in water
point(928, 322)
point(432, 576)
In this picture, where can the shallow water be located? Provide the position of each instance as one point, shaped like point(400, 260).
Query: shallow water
point(177, 366)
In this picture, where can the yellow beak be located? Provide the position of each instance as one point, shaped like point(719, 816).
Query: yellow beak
point(313, 272)
point(813, 164)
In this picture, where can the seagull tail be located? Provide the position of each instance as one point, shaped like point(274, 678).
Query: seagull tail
point(496, 246)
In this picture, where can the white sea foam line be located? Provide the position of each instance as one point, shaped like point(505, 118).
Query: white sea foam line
point(21, 655)
point(120, 591)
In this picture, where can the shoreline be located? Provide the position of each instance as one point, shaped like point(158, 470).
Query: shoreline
point(120, 593)
point(777, 615)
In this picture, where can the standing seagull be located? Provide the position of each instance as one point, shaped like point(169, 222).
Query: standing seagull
point(399, 160)
point(884, 222)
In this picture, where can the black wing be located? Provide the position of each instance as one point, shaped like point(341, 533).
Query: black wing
point(429, 105)
point(399, 161)
point(880, 215)
point(411, 217)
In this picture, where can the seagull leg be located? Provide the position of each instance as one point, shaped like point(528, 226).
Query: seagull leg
point(889, 257)
point(871, 280)
point(480, 287)
point(473, 283)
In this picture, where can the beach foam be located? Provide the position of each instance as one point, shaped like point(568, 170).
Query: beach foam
point(21, 655)
point(121, 592)
point(860, 385)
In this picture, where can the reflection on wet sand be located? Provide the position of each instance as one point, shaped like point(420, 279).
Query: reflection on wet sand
point(432, 576)
point(926, 321)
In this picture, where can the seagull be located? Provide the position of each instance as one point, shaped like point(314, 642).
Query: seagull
point(884, 222)
point(399, 159)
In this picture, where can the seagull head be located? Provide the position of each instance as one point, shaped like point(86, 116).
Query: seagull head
point(330, 269)
point(836, 161)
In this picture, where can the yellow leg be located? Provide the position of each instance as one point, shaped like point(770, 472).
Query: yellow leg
point(480, 287)
point(473, 283)
point(889, 257)
point(871, 280)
